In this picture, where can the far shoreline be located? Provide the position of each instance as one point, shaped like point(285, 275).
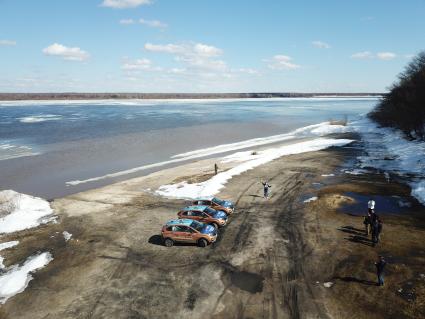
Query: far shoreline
point(174, 96)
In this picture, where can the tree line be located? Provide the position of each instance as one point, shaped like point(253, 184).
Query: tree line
point(404, 106)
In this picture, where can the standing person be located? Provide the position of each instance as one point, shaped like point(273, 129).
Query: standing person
point(380, 225)
point(366, 222)
point(266, 187)
point(215, 168)
point(371, 205)
point(380, 266)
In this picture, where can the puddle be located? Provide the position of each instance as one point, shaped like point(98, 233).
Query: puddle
point(384, 204)
point(317, 185)
point(247, 281)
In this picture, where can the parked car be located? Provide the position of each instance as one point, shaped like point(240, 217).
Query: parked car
point(204, 214)
point(216, 204)
point(188, 231)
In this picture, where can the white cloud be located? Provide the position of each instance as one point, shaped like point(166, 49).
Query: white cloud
point(153, 23)
point(126, 21)
point(7, 43)
point(122, 4)
point(386, 56)
point(139, 64)
point(320, 44)
point(207, 50)
point(369, 55)
point(362, 55)
point(282, 62)
point(194, 55)
point(66, 53)
point(165, 48)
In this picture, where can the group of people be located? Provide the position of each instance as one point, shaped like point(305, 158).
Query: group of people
point(373, 223)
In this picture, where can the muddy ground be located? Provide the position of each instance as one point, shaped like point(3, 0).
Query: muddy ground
point(271, 260)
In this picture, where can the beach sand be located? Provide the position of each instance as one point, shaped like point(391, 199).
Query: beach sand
point(274, 259)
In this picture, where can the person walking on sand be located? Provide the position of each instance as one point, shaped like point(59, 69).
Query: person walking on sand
point(266, 187)
point(380, 266)
point(371, 205)
point(215, 168)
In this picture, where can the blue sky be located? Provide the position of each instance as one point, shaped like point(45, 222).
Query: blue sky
point(206, 45)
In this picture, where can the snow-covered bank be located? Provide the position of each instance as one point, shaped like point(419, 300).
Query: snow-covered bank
point(16, 279)
point(20, 211)
point(216, 183)
point(389, 151)
point(310, 131)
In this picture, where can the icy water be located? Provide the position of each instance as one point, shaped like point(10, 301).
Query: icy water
point(44, 145)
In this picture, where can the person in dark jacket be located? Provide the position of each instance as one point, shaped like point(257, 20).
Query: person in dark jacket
point(380, 266)
point(266, 187)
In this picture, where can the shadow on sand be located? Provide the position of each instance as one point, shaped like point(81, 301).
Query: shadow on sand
point(156, 240)
point(356, 280)
point(356, 235)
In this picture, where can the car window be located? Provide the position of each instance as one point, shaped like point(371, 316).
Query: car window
point(185, 214)
point(210, 211)
point(169, 228)
point(180, 228)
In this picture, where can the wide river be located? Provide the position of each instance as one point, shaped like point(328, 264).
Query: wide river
point(55, 148)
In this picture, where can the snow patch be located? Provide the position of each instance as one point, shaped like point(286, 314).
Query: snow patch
point(217, 182)
point(20, 211)
point(66, 235)
point(388, 150)
point(328, 284)
point(16, 279)
point(311, 199)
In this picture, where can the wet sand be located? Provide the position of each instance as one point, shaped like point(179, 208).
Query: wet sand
point(271, 260)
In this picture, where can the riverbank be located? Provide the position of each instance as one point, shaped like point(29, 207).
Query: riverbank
point(292, 256)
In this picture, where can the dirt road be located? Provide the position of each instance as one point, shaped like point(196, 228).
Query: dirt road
point(270, 261)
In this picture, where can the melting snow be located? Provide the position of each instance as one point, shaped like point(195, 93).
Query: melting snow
point(16, 279)
point(20, 211)
point(66, 235)
point(311, 199)
point(216, 183)
point(388, 150)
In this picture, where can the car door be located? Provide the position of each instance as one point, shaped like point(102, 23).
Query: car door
point(186, 234)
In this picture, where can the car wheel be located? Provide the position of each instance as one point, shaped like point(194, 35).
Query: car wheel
point(168, 242)
point(215, 225)
point(202, 242)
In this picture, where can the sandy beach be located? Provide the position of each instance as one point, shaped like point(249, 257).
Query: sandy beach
point(286, 257)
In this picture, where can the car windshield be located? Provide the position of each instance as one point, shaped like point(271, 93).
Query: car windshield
point(218, 201)
point(196, 225)
point(210, 211)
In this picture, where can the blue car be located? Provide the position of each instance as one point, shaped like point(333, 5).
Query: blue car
point(204, 214)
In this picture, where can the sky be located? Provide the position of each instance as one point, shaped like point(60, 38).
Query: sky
point(207, 45)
